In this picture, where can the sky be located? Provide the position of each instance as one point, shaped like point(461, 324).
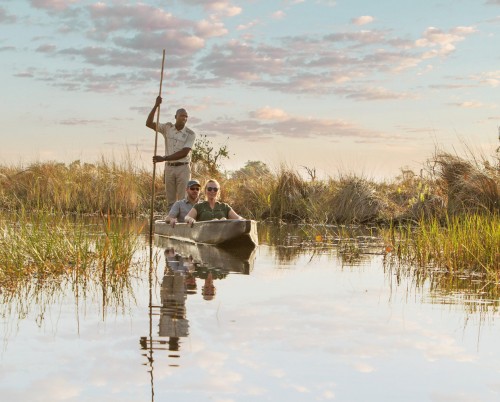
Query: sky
point(333, 87)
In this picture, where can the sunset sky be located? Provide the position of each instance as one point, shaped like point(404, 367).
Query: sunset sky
point(346, 86)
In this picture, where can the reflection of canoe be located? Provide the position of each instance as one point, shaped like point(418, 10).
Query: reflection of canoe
point(229, 232)
point(237, 259)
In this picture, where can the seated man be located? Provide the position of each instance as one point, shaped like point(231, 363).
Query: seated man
point(180, 208)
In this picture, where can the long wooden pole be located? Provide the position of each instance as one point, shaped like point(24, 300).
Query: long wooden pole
point(154, 164)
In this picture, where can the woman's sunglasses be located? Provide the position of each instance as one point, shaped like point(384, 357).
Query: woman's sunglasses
point(214, 189)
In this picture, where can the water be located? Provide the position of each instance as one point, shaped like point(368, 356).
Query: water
point(285, 322)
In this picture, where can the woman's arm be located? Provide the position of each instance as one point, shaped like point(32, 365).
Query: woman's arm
point(233, 215)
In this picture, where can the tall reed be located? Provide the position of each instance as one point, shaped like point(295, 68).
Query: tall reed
point(78, 187)
point(42, 247)
point(462, 245)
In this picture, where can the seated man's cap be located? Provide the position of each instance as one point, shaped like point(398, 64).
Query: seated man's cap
point(193, 182)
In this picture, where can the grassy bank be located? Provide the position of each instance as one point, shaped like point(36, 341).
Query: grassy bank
point(446, 215)
point(450, 186)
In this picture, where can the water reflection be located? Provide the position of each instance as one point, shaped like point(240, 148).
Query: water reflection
point(352, 244)
point(303, 329)
point(471, 290)
point(185, 265)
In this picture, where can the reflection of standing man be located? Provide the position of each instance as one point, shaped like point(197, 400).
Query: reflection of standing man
point(179, 140)
point(173, 322)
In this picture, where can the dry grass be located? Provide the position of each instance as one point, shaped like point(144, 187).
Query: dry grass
point(76, 188)
point(356, 201)
point(451, 186)
point(470, 187)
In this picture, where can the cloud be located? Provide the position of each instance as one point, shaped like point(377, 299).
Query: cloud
point(237, 60)
point(359, 38)
point(126, 35)
point(376, 93)
point(249, 25)
point(88, 80)
point(210, 29)
point(140, 17)
point(219, 7)
point(434, 37)
point(24, 74)
point(79, 122)
point(176, 43)
point(363, 20)
point(268, 113)
point(6, 18)
point(472, 105)
point(103, 56)
point(278, 15)
point(489, 78)
point(46, 48)
point(268, 123)
point(53, 4)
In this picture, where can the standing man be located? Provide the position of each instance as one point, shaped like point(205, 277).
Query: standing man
point(181, 208)
point(179, 140)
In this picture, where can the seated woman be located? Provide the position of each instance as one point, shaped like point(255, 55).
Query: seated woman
point(211, 208)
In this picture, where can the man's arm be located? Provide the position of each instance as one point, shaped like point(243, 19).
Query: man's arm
point(151, 116)
point(173, 214)
point(173, 157)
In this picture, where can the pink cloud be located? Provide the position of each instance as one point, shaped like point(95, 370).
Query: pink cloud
point(363, 20)
point(443, 41)
point(140, 17)
point(219, 7)
point(268, 113)
point(210, 29)
point(53, 4)
point(6, 18)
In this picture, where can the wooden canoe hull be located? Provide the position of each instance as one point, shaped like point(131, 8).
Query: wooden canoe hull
point(229, 232)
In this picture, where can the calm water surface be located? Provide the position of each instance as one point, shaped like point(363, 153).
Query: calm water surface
point(284, 322)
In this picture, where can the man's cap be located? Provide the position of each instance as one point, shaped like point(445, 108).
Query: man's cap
point(193, 182)
point(181, 110)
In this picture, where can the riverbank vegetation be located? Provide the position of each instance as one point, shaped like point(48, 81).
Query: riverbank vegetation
point(449, 186)
point(41, 251)
point(446, 215)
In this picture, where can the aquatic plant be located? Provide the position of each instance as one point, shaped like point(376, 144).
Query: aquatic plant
point(41, 252)
point(462, 245)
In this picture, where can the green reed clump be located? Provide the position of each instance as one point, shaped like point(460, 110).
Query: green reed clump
point(41, 246)
point(463, 244)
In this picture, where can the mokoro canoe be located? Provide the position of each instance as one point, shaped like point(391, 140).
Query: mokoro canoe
point(228, 232)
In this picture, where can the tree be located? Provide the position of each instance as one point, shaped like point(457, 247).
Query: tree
point(251, 169)
point(206, 158)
